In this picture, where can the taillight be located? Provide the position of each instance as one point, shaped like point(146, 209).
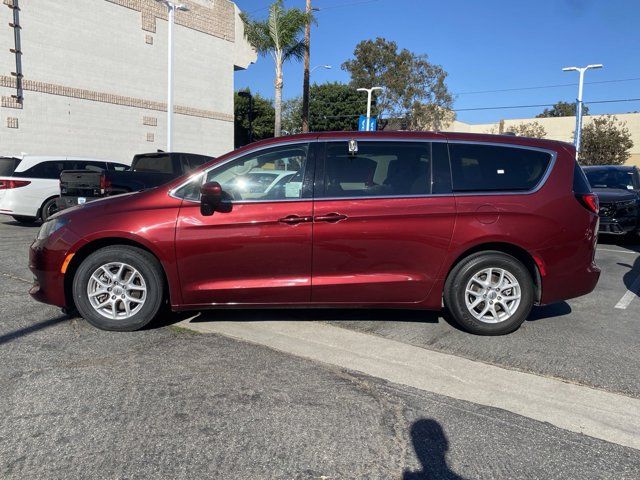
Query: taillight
point(105, 184)
point(9, 184)
point(589, 201)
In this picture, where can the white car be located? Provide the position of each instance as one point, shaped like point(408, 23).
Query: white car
point(29, 185)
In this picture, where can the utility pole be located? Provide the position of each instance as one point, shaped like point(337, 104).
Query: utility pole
point(581, 71)
point(171, 7)
point(369, 95)
point(307, 74)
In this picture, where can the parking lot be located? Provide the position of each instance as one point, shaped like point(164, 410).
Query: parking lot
point(170, 402)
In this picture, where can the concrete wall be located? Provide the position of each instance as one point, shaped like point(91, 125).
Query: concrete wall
point(95, 77)
point(560, 128)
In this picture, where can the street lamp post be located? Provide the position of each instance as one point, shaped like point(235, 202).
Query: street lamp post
point(581, 71)
point(171, 7)
point(327, 67)
point(369, 95)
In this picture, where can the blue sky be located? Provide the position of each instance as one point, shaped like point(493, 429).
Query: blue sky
point(483, 45)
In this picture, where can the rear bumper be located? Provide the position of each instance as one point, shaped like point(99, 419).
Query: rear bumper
point(67, 202)
point(571, 285)
point(615, 226)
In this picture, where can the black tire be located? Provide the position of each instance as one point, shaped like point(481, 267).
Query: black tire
point(456, 284)
point(25, 220)
point(48, 208)
point(148, 267)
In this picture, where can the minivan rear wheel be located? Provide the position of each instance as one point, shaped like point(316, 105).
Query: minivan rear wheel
point(48, 208)
point(119, 288)
point(489, 293)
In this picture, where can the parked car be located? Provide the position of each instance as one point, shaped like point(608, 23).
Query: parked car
point(618, 189)
point(147, 170)
point(485, 225)
point(29, 185)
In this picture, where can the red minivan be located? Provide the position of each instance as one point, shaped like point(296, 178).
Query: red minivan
point(484, 226)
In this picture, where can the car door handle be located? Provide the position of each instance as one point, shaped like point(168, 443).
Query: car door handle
point(295, 219)
point(330, 217)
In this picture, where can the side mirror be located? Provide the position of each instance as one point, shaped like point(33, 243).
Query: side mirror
point(210, 198)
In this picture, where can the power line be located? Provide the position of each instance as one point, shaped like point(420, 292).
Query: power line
point(541, 87)
point(506, 107)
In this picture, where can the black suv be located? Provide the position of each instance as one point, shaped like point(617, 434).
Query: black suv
point(618, 189)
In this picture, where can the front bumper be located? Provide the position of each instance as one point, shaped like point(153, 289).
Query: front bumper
point(46, 258)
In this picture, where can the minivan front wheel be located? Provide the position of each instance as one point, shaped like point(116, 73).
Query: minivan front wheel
point(489, 293)
point(118, 288)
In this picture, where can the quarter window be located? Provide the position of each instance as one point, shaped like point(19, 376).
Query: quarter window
point(378, 169)
point(481, 168)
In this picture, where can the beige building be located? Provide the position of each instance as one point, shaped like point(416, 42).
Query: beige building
point(559, 128)
point(92, 75)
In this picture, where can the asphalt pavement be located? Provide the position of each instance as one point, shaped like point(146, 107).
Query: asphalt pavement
point(169, 403)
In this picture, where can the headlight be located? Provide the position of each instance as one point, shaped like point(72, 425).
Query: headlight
point(49, 227)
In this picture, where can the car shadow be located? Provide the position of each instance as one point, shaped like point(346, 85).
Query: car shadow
point(316, 314)
point(630, 242)
point(431, 445)
point(13, 223)
point(631, 279)
point(545, 312)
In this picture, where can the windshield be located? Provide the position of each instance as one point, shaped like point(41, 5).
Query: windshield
point(8, 166)
point(611, 178)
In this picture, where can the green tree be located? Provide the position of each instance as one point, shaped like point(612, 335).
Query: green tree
point(263, 116)
point(414, 89)
point(562, 109)
point(605, 141)
point(292, 116)
point(333, 107)
point(528, 129)
point(280, 36)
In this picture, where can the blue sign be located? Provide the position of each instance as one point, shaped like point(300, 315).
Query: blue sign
point(370, 126)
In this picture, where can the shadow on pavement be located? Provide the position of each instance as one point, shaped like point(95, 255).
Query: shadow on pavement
point(630, 242)
point(431, 445)
point(544, 312)
point(317, 314)
point(7, 337)
point(631, 279)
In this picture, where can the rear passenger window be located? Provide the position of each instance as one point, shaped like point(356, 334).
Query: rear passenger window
point(378, 169)
point(48, 170)
point(482, 168)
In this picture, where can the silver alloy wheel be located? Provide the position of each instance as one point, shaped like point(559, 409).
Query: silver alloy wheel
point(492, 295)
point(117, 290)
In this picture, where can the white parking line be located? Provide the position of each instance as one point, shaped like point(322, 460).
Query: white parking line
point(617, 251)
point(608, 416)
point(628, 297)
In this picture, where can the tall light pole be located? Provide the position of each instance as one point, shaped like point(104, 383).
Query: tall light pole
point(171, 7)
point(369, 94)
point(581, 71)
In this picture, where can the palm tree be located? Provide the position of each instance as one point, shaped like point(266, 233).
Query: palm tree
point(280, 35)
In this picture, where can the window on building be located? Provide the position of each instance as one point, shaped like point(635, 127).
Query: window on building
point(378, 169)
point(480, 168)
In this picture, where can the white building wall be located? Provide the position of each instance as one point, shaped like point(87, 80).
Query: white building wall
point(103, 68)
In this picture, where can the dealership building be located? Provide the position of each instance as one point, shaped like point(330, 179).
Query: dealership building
point(89, 77)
